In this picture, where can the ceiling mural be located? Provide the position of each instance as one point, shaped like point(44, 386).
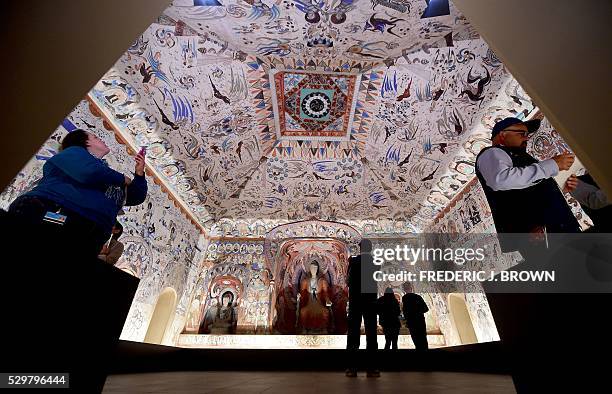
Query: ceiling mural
point(306, 30)
point(259, 113)
point(434, 116)
point(510, 101)
point(196, 119)
point(412, 137)
point(319, 147)
point(314, 105)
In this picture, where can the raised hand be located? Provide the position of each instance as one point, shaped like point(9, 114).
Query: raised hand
point(570, 184)
point(564, 161)
point(140, 165)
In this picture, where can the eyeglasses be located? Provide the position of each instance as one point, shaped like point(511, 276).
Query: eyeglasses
point(524, 134)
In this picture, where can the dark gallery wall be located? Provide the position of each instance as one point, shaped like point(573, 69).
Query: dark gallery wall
point(54, 52)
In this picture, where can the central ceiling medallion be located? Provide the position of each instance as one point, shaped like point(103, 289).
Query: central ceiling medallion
point(314, 105)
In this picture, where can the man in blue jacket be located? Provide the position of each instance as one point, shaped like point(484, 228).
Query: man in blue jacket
point(79, 196)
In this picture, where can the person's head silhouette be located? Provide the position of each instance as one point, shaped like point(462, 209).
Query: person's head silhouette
point(365, 246)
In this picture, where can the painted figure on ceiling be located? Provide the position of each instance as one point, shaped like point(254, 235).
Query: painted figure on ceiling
point(151, 72)
point(382, 25)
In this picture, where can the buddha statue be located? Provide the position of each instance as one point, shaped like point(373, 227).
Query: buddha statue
point(314, 303)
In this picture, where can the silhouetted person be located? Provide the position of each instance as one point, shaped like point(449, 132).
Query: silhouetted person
point(593, 201)
point(414, 308)
point(389, 311)
point(362, 304)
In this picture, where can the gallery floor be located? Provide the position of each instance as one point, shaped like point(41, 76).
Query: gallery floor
point(307, 382)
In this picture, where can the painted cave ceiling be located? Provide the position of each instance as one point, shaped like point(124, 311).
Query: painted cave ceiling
point(289, 110)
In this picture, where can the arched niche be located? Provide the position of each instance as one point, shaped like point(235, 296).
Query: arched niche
point(222, 286)
point(309, 229)
point(219, 279)
point(292, 277)
point(163, 315)
point(461, 319)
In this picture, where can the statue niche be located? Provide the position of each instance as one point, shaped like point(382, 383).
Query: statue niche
point(311, 290)
point(220, 313)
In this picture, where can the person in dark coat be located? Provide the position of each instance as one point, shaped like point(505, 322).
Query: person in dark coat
point(414, 308)
point(389, 311)
point(363, 293)
point(112, 250)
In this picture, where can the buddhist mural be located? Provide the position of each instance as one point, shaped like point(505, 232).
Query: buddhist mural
point(224, 297)
point(251, 121)
point(469, 214)
point(300, 30)
point(234, 287)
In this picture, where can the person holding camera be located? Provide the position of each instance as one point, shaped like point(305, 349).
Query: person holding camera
point(522, 194)
point(79, 196)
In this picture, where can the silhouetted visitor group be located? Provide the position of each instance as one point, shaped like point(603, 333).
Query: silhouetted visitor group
point(364, 305)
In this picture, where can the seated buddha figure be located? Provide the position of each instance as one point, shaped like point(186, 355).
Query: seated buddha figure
point(221, 318)
point(314, 303)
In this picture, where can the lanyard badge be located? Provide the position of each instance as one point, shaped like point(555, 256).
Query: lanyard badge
point(55, 217)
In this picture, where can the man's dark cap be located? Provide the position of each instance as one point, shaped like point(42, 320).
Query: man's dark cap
point(532, 125)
